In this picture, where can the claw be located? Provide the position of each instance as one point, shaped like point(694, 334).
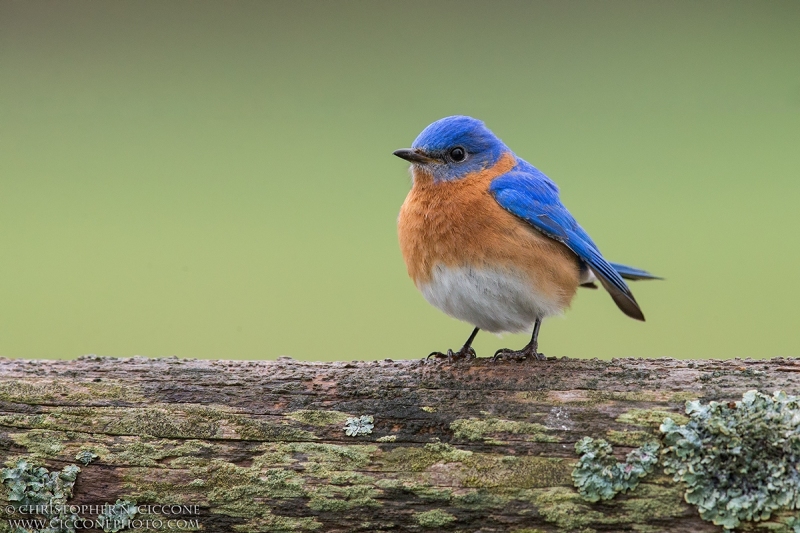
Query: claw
point(517, 355)
point(530, 350)
point(466, 351)
point(451, 356)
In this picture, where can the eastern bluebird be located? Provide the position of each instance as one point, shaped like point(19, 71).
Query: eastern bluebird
point(487, 240)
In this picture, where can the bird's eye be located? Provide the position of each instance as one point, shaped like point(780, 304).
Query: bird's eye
point(458, 154)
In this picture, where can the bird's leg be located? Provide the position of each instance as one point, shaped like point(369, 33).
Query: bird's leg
point(531, 350)
point(466, 351)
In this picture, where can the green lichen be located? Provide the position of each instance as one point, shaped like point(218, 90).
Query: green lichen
point(649, 417)
point(652, 502)
point(417, 459)
point(117, 517)
point(477, 429)
point(341, 498)
point(446, 452)
point(564, 508)
point(356, 426)
point(601, 396)
point(318, 418)
point(598, 475)
point(262, 430)
point(427, 491)
point(28, 484)
point(152, 452)
point(628, 438)
point(231, 490)
point(327, 477)
point(19, 391)
point(46, 392)
point(569, 512)
point(31, 485)
point(41, 443)
point(420, 489)
point(387, 438)
point(470, 499)
point(346, 490)
point(323, 460)
point(161, 421)
point(270, 523)
point(86, 456)
point(477, 470)
point(349, 478)
point(683, 397)
point(34, 486)
point(739, 460)
point(428, 409)
point(792, 524)
point(235, 483)
point(489, 471)
point(434, 518)
point(389, 483)
point(480, 499)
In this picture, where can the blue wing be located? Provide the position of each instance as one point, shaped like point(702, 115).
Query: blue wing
point(527, 193)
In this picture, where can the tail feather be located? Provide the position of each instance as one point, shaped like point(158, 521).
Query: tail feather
point(633, 273)
point(623, 298)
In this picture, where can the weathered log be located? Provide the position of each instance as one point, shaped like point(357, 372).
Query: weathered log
point(262, 446)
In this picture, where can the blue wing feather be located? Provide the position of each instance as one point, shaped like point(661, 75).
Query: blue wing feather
point(530, 195)
point(632, 273)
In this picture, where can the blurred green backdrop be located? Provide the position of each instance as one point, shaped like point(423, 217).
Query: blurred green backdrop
point(215, 179)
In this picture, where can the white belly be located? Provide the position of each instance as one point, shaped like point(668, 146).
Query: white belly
point(495, 300)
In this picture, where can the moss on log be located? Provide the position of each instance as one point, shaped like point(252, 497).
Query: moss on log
point(263, 446)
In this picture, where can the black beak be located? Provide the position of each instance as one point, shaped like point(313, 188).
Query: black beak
point(413, 156)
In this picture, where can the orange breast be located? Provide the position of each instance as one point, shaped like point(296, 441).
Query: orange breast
point(458, 223)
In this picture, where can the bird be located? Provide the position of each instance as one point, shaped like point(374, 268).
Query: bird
point(486, 239)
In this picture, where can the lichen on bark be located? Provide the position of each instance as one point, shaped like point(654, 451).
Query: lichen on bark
point(261, 445)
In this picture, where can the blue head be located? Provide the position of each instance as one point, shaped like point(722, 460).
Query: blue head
point(453, 147)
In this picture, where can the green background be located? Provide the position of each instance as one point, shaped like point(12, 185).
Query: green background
point(215, 179)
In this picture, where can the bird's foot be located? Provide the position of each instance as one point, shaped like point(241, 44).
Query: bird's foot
point(463, 353)
point(518, 355)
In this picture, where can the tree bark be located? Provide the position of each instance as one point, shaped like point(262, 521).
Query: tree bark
point(261, 445)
